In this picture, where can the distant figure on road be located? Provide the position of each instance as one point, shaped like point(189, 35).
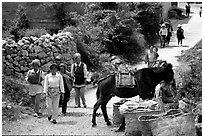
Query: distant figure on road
point(180, 34)
point(200, 12)
point(163, 34)
point(188, 7)
point(169, 34)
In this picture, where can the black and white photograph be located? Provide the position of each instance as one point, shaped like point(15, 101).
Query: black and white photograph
point(101, 68)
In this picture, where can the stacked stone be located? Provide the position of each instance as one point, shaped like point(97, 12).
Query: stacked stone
point(17, 57)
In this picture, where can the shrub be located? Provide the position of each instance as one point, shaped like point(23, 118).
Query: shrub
point(20, 23)
point(14, 91)
point(192, 82)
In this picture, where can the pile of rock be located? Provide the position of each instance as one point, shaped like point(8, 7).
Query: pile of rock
point(17, 56)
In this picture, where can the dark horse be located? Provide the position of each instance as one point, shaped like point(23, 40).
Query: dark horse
point(146, 80)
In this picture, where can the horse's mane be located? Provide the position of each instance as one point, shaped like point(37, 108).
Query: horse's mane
point(103, 78)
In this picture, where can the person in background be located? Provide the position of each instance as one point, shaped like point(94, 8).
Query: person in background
point(155, 49)
point(200, 12)
point(34, 77)
point(180, 34)
point(58, 62)
point(67, 86)
point(163, 34)
point(150, 57)
point(53, 86)
point(169, 34)
point(79, 73)
point(188, 9)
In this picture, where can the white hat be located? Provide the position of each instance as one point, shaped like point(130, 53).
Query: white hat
point(36, 61)
point(179, 25)
point(77, 55)
point(163, 25)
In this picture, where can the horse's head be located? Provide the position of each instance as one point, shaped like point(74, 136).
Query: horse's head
point(170, 73)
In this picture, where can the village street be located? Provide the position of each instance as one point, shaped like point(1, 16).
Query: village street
point(78, 120)
point(193, 33)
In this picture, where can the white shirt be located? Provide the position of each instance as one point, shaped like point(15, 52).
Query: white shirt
point(163, 31)
point(53, 81)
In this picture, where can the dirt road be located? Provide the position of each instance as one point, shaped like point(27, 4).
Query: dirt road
point(78, 120)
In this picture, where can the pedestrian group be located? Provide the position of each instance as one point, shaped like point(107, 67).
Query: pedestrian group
point(55, 86)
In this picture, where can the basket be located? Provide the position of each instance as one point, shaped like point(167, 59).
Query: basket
point(133, 126)
point(145, 120)
point(173, 123)
point(117, 117)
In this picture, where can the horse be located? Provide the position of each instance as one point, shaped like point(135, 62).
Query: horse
point(146, 80)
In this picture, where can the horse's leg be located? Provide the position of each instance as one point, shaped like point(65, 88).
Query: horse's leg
point(104, 111)
point(96, 106)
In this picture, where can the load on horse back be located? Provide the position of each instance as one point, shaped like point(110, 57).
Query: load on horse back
point(157, 63)
point(146, 80)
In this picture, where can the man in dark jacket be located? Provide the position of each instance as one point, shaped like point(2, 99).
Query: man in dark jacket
point(180, 34)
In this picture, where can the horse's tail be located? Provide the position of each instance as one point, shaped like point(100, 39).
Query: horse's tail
point(97, 93)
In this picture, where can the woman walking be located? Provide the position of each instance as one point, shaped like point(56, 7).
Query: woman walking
point(67, 86)
point(79, 73)
point(53, 86)
point(34, 78)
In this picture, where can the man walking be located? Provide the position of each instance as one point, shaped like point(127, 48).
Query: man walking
point(163, 34)
point(79, 73)
point(188, 7)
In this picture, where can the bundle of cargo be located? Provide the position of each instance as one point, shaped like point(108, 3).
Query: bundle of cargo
point(135, 107)
point(17, 56)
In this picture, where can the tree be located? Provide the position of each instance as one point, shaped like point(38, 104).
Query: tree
point(20, 23)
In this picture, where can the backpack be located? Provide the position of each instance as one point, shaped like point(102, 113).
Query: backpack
point(35, 78)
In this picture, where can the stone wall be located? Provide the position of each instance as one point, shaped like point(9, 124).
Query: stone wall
point(17, 57)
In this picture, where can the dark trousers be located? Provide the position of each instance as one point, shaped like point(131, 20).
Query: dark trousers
point(64, 102)
point(163, 40)
point(180, 41)
point(187, 12)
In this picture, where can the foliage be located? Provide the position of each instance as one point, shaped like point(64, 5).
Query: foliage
point(20, 23)
point(117, 29)
point(192, 82)
point(149, 18)
point(35, 32)
point(14, 91)
point(60, 13)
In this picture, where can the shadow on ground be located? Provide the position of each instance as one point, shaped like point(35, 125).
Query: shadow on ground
point(76, 114)
point(67, 122)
